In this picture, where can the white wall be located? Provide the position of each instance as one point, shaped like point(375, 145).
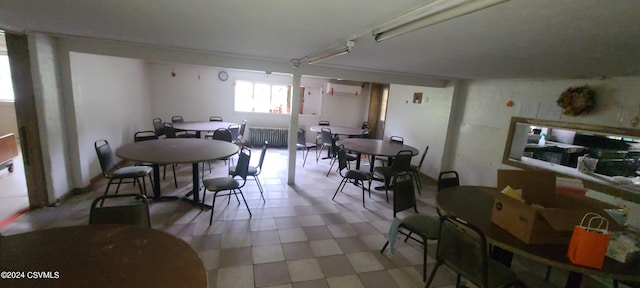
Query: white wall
point(420, 124)
point(111, 97)
point(197, 99)
point(8, 121)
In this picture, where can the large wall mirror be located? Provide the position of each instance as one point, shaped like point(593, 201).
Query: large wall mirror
point(613, 154)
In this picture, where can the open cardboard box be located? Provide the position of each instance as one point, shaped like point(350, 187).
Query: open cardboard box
point(545, 216)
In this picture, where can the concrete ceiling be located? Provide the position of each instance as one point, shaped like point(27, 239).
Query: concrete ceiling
point(516, 39)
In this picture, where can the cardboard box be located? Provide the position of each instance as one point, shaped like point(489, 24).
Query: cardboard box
point(545, 216)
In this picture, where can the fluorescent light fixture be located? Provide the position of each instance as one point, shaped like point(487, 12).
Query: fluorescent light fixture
point(432, 13)
point(330, 54)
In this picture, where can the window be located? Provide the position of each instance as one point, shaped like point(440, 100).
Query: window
point(262, 97)
point(6, 87)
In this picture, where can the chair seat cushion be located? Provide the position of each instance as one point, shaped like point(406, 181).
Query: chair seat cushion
point(130, 172)
point(358, 174)
point(252, 171)
point(220, 183)
point(425, 226)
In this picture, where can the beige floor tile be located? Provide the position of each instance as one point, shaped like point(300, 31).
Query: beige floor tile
point(407, 277)
point(341, 230)
point(292, 235)
point(310, 220)
point(373, 241)
point(325, 247)
point(304, 270)
point(235, 277)
point(236, 239)
point(348, 281)
point(262, 224)
point(364, 262)
point(267, 253)
point(268, 274)
point(210, 259)
point(281, 286)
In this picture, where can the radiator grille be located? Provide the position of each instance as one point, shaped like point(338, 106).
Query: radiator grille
point(277, 137)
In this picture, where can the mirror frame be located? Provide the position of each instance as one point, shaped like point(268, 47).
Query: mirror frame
point(617, 191)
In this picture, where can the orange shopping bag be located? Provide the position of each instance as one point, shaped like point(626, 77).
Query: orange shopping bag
point(588, 244)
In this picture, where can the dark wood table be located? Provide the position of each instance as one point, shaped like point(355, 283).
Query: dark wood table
point(177, 150)
point(99, 256)
point(474, 204)
point(375, 147)
point(201, 126)
point(339, 130)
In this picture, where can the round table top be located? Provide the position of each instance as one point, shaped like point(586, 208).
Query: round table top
point(100, 256)
point(201, 125)
point(375, 146)
point(474, 204)
point(177, 150)
point(339, 130)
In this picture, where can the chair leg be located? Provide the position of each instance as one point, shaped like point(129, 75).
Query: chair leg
point(433, 273)
point(213, 204)
point(175, 179)
point(259, 187)
point(304, 157)
point(338, 189)
point(362, 183)
point(118, 187)
point(386, 188)
point(143, 187)
point(424, 261)
point(245, 203)
point(384, 247)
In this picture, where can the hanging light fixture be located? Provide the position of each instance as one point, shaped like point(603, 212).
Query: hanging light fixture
point(432, 13)
point(331, 53)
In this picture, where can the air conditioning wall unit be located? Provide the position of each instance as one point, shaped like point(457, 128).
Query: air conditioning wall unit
point(341, 89)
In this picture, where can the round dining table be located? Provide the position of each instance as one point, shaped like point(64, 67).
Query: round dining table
point(375, 147)
point(176, 151)
point(201, 126)
point(474, 205)
point(99, 256)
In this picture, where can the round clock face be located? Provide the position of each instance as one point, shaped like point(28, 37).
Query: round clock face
point(223, 76)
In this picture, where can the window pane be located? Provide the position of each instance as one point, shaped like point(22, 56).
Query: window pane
point(262, 98)
point(279, 98)
point(244, 96)
point(6, 87)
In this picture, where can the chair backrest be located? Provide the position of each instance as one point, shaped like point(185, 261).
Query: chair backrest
point(158, 126)
point(342, 158)
point(105, 156)
point(402, 161)
point(365, 125)
point(404, 196)
point(264, 153)
point(234, 129)
point(424, 154)
point(243, 126)
point(222, 134)
point(177, 119)
point(169, 131)
point(242, 168)
point(215, 118)
point(144, 136)
point(448, 179)
point(302, 140)
point(326, 136)
point(136, 213)
point(463, 248)
point(323, 123)
point(396, 139)
point(366, 134)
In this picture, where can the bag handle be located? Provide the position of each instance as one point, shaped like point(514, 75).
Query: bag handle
point(595, 216)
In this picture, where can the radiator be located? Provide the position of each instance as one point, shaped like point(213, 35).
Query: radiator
point(277, 137)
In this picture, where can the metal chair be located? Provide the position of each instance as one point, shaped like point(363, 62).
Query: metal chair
point(217, 185)
point(240, 137)
point(356, 175)
point(177, 119)
point(170, 132)
point(158, 126)
point(401, 164)
point(215, 118)
point(415, 169)
point(319, 134)
point(327, 141)
point(221, 134)
point(113, 172)
point(133, 213)
point(448, 179)
point(334, 155)
point(303, 145)
point(388, 160)
point(462, 247)
point(254, 171)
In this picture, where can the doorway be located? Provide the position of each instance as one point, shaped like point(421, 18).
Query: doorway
point(378, 109)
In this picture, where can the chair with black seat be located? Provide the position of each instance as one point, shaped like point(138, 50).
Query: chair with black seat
point(177, 119)
point(135, 211)
point(349, 157)
point(231, 184)
point(425, 227)
point(365, 125)
point(319, 134)
point(238, 139)
point(462, 247)
point(327, 142)
point(254, 171)
point(235, 131)
point(171, 132)
point(222, 134)
point(215, 118)
point(303, 145)
point(158, 127)
point(356, 175)
point(401, 164)
point(447, 179)
point(415, 169)
point(150, 135)
point(387, 160)
point(113, 172)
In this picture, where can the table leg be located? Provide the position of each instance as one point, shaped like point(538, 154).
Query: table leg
point(156, 181)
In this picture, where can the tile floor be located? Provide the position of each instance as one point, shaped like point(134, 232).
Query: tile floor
point(297, 237)
point(13, 194)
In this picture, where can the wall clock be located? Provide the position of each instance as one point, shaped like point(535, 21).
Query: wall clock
point(223, 76)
